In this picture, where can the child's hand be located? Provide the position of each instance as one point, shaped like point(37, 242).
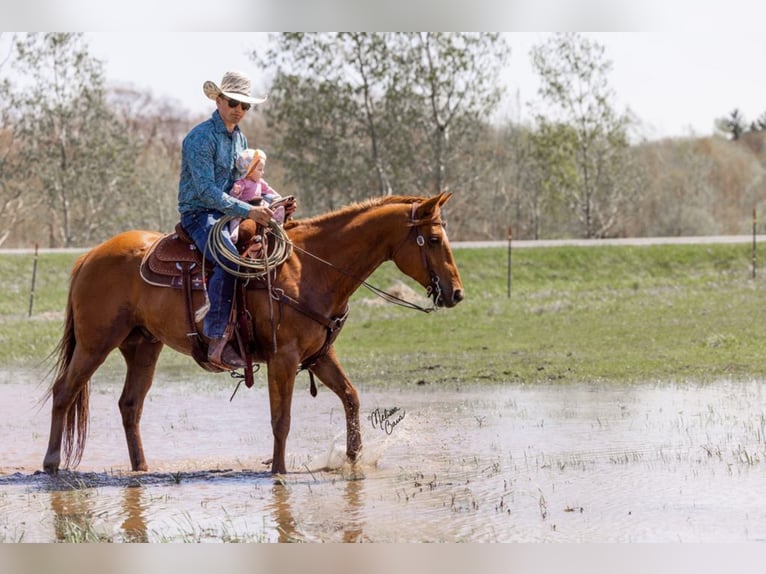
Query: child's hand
point(287, 201)
point(290, 207)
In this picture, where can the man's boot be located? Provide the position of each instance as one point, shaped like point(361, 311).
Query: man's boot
point(222, 354)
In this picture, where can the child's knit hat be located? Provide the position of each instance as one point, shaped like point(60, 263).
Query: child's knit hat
point(248, 159)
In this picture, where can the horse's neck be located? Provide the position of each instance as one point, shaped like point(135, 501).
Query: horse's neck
point(345, 255)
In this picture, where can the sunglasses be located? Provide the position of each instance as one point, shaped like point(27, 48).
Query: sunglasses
point(235, 103)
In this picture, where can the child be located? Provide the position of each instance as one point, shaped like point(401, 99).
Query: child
point(252, 188)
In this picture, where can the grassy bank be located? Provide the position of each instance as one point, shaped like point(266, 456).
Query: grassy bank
point(667, 312)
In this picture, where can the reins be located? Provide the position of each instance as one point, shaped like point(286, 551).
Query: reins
point(385, 295)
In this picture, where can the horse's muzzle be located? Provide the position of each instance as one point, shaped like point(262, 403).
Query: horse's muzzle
point(446, 301)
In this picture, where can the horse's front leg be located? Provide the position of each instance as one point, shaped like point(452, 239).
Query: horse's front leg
point(329, 371)
point(281, 382)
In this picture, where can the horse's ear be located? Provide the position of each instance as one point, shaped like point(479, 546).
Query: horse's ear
point(427, 208)
point(430, 205)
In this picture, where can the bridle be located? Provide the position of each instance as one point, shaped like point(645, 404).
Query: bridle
point(433, 290)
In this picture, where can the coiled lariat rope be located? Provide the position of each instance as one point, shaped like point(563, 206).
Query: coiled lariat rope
point(250, 268)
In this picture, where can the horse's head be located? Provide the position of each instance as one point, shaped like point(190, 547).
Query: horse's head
point(426, 256)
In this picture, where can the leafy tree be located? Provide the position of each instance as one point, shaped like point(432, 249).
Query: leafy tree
point(759, 125)
point(77, 157)
point(553, 149)
point(318, 141)
point(734, 124)
point(321, 103)
point(574, 90)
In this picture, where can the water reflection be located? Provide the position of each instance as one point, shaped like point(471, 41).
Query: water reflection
point(73, 516)
point(79, 512)
point(283, 514)
point(350, 521)
point(354, 495)
point(134, 509)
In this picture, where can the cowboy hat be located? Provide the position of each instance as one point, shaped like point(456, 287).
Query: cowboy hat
point(234, 85)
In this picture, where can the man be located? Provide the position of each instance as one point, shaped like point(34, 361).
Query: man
point(207, 174)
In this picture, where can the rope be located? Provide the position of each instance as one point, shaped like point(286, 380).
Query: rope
point(250, 268)
point(253, 267)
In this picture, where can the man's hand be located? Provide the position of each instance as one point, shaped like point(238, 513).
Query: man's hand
point(261, 214)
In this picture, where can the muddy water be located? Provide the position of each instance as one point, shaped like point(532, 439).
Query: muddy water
point(568, 463)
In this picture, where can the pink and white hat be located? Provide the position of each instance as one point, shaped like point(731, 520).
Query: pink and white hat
point(248, 159)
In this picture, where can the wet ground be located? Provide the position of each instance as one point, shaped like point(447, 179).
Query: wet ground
point(558, 463)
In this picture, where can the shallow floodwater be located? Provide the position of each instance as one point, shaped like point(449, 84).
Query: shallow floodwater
point(527, 463)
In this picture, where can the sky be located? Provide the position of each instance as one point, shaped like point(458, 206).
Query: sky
point(676, 82)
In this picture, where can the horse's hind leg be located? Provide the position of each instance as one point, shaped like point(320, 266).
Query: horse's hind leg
point(141, 354)
point(70, 399)
point(329, 371)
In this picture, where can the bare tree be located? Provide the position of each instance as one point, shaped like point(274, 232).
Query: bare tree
point(12, 197)
point(398, 106)
point(575, 92)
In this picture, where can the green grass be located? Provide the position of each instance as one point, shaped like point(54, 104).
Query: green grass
point(670, 312)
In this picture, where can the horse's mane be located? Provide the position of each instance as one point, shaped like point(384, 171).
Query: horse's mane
point(354, 208)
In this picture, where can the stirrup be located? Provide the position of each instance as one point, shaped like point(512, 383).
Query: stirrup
point(216, 354)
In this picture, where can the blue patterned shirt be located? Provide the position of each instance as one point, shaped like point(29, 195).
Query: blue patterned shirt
point(207, 169)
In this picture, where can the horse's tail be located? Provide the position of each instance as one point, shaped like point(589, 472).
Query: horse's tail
point(76, 418)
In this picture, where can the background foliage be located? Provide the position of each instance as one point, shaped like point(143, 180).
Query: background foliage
point(353, 115)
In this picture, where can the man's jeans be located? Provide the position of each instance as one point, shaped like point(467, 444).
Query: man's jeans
point(220, 289)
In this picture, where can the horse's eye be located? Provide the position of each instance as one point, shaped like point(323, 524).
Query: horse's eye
point(435, 240)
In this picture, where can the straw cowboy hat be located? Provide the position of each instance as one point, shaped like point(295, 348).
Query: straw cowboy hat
point(234, 85)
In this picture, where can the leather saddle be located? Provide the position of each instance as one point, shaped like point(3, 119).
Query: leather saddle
point(174, 261)
point(170, 258)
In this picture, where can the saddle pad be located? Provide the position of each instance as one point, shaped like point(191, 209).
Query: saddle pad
point(172, 281)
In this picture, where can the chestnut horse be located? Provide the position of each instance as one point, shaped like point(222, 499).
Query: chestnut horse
point(110, 306)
